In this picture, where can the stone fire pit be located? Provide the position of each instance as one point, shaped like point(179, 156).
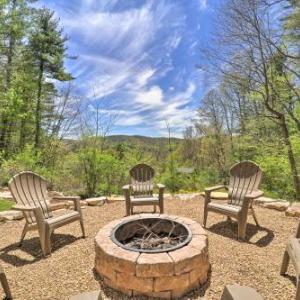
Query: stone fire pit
point(154, 255)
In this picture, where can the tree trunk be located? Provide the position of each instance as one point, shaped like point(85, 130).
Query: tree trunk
point(291, 157)
point(38, 111)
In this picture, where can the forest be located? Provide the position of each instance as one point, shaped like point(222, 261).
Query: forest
point(251, 110)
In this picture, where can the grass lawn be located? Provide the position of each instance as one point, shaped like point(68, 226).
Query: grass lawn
point(6, 205)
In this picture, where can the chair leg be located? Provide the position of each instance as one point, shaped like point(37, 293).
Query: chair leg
point(161, 207)
point(205, 218)
point(47, 242)
point(82, 227)
point(5, 286)
point(24, 231)
point(254, 216)
point(298, 289)
point(128, 208)
point(285, 263)
point(242, 225)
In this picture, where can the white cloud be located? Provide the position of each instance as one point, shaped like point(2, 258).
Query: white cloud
point(144, 77)
point(202, 4)
point(123, 55)
point(130, 120)
point(151, 97)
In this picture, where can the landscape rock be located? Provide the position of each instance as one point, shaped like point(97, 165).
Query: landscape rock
point(293, 210)
point(96, 201)
point(11, 215)
point(115, 198)
point(83, 203)
point(167, 196)
point(263, 200)
point(52, 194)
point(58, 205)
point(5, 194)
point(277, 205)
point(189, 196)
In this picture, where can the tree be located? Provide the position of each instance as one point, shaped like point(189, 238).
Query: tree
point(14, 24)
point(48, 49)
point(248, 55)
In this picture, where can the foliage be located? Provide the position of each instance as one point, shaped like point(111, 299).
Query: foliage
point(252, 113)
point(6, 205)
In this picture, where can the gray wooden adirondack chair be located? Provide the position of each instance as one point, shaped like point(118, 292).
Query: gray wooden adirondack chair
point(245, 178)
point(5, 285)
point(140, 191)
point(292, 252)
point(29, 190)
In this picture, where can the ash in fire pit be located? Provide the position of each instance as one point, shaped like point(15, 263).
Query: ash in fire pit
point(151, 235)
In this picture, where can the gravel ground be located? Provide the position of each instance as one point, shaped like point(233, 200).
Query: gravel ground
point(69, 270)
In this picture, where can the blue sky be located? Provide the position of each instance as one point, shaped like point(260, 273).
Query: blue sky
point(137, 59)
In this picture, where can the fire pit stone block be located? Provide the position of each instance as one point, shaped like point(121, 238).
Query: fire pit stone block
point(166, 275)
point(154, 265)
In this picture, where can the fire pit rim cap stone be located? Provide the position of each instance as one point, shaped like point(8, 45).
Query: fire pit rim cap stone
point(141, 217)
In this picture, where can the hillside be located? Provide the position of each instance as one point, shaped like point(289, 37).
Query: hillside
point(139, 139)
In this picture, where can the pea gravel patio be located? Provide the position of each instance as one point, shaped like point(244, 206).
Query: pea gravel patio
point(69, 270)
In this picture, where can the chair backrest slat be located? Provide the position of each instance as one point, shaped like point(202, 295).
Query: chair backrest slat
point(29, 188)
point(142, 180)
point(245, 177)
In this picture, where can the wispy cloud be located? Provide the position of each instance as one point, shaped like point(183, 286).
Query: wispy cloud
point(136, 54)
point(202, 4)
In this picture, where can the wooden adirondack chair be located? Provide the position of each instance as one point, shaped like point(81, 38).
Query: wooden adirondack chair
point(5, 285)
point(245, 178)
point(29, 190)
point(140, 191)
point(292, 252)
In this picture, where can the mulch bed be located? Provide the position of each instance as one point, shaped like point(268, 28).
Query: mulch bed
point(69, 270)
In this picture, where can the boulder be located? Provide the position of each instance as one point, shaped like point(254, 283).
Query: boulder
point(10, 215)
point(115, 198)
point(96, 201)
point(263, 200)
point(293, 210)
point(190, 196)
point(167, 196)
point(277, 205)
point(58, 205)
point(83, 203)
point(6, 195)
point(52, 194)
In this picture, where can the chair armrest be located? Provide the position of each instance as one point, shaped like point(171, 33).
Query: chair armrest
point(254, 194)
point(160, 186)
point(214, 188)
point(24, 208)
point(65, 198)
point(126, 187)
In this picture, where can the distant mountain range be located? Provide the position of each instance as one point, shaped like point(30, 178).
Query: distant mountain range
point(145, 142)
point(140, 139)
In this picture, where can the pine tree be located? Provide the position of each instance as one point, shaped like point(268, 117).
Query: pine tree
point(47, 45)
